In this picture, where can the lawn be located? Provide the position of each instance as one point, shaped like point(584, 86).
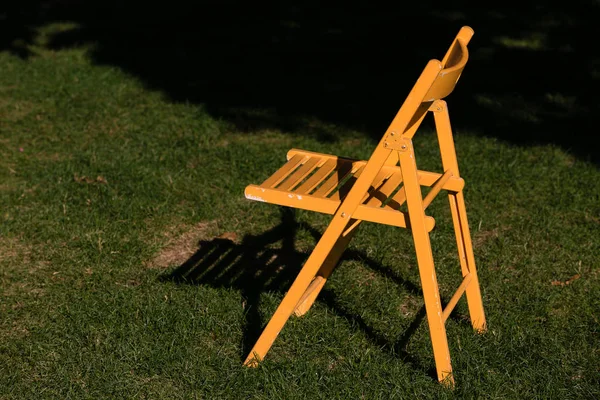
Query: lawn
point(132, 266)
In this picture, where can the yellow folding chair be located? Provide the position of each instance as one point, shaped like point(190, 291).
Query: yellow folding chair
point(354, 191)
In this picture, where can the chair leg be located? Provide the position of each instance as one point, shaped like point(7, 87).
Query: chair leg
point(315, 287)
point(429, 284)
point(467, 260)
point(318, 256)
point(298, 288)
point(459, 215)
point(313, 290)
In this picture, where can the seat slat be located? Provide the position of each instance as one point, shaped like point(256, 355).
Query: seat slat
point(426, 178)
point(317, 177)
point(284, 171)
point(334, 180)
point(397, 201)
point(292, 173)
point(378, 181)
point(299, 174)
point(347, 185)
point(379, 178)
point(370, 198)
point(384, 191)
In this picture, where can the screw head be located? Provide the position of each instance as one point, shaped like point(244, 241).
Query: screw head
point(403, 147)
point(392, 133)
point(343, 215)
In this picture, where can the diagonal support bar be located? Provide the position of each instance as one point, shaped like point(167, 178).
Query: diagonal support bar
point(454, 300)
point(435, 190)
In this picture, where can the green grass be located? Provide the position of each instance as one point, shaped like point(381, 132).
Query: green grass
point(106, 187)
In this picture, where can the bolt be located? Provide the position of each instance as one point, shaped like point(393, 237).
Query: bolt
point(385, 144)
point(343, 215)
point(403, 147)
point(439, 108)
point(392, 133)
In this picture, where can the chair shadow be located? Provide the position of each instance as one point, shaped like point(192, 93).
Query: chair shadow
point(270, 262)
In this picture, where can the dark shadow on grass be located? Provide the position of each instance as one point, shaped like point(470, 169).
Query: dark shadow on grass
point(270, 262)
point(252, 267)
point(398, 347)
point(304, 67)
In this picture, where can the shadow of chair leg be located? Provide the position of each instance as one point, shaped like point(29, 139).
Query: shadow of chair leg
point(398, 347)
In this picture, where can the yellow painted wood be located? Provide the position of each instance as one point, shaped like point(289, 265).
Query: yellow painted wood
point(453, 65)
point(299, 174)
point(310, 295)
point(459, 216)
point(333, 181)
point(284, 171)
point(317, 177)
point(397, 200)
point(457, 295)
point(435, 190)
point(317, 257)
point(373, 200)
point(377, 196)
point(311, 181)
point(345, 188)
point(473, 292)
point(376, 184)
point(289, 199)
point(449, 162)
point(329, 206)
point(338, 222)
point(431, 294)
point(388, 217)
point(381, 176)
point(382, 194)
point(298, 288)
point(426, 178)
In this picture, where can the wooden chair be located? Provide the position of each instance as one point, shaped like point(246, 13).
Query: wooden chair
point(354, 191)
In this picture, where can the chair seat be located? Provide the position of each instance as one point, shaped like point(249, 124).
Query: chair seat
point(320, 182)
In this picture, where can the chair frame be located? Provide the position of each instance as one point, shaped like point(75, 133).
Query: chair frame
point(372, 194)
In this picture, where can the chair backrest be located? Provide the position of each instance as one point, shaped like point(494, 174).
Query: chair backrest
point(437, 81)
point(452, 66)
